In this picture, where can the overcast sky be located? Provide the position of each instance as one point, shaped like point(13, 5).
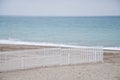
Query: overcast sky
point(60, 7)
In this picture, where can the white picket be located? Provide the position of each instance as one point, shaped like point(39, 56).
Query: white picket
point(55, 56)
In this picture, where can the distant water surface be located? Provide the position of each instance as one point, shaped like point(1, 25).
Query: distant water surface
point(82, 31)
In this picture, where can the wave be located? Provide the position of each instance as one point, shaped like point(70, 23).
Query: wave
point(19, 42)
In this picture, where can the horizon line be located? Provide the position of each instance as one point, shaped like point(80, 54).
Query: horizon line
point(61, 15)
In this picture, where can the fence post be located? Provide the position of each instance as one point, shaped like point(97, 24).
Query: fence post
point(22, 63)
point(102, 55)
point(93, 54)
point(68, 58)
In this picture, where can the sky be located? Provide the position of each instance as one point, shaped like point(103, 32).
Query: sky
point(60, 7)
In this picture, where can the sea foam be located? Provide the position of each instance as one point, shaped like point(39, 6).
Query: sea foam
point(19, 42)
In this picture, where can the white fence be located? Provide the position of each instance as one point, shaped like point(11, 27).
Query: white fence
point(51, 57)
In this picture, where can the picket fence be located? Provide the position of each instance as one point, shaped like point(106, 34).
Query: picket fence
point(52, 57)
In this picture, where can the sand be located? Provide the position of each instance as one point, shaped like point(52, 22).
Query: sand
point(10, 47)
point(108, 70)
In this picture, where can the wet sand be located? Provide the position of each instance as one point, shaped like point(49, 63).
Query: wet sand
point(10, 47)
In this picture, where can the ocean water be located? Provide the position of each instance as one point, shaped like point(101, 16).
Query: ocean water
point(80, 31)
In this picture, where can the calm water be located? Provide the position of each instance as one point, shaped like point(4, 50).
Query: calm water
point(83, 31)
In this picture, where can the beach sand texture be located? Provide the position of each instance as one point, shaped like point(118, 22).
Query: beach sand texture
point(108, 70)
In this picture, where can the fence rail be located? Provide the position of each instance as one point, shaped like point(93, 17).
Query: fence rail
point(51, 57)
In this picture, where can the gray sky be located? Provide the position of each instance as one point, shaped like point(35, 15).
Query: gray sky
point(60, 7)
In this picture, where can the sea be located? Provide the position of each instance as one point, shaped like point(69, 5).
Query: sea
point(61, 30)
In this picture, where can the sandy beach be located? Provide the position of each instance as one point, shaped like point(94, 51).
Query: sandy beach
point(59, 39)
point(108, 70)
point(10, 47)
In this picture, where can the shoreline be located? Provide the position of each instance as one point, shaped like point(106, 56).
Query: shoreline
point(14, 47)
point(47, 44)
